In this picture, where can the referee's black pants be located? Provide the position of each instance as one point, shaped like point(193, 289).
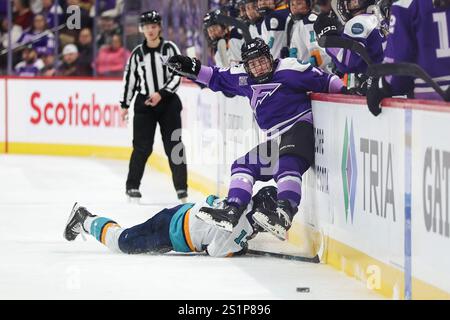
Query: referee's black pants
point(168, 114)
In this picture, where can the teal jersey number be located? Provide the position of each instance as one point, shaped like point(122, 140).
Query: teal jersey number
point(238, 240)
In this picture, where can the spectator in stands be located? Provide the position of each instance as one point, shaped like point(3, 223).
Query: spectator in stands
point(23, 16)
point(86, 50)
point(49, 8)
point(31, 66)
point(15, 31)
point(36, 6)
point(34, 35)
point(88, 4)
point(70, 36)
point(48, 58)
point(70, 66)
point(86, 20)
point(107, 28)
point(112, 59)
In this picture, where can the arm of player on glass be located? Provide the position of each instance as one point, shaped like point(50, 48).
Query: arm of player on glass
point(184, 66)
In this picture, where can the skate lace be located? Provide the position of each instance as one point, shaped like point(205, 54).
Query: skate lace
point(78, 228)
point(282, 214)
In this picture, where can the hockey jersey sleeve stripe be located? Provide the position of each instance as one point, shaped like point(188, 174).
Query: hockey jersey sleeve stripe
point(105, 231)
point(129, 81)
point(187, 235)
point(176, 229)
point(98, 227)
point(174, 81)
point(205, 75)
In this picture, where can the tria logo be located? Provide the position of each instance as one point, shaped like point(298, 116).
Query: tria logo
point(349, 171)
point(261, 92)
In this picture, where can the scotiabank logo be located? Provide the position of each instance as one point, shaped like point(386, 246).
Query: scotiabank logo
point(74, 112)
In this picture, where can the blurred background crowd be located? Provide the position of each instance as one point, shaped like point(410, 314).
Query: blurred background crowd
point(33, 43)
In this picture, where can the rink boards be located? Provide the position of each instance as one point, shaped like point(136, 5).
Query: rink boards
point(377, 198)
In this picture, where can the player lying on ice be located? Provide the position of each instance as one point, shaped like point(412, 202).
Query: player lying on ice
point(176, 229)
point(278, 93)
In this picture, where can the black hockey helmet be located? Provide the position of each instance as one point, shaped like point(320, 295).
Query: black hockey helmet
point(149, 17)
point(257, 19)
point(254, 49)
point(299, 16)
point(267, 10)
point(346, 9)
point(210, 19)
point(234, 7)
point(265, 198)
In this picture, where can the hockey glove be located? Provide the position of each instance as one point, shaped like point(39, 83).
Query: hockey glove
point(326, 25)
point(185, 66)
point(377, 90)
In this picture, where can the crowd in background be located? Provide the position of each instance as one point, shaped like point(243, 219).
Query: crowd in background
point(41, 48)
point(101, 47)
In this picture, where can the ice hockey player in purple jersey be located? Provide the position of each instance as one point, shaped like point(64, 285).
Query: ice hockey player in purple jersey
point(176, 229)
point(278, 94)
point(359, 25)
point(419, 33)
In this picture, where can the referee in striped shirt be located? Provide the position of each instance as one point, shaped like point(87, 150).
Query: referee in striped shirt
point(156, 102)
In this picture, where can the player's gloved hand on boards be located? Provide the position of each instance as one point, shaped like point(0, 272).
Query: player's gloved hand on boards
point(325, 25)
point(377, 90)
point(185, 66)
point(359, 84)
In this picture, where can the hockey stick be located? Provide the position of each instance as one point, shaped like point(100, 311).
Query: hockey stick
point(352, 45)
point(385, 69)
point(407, 70)
point(284, 256)
point(41, 35)
point(230, 21)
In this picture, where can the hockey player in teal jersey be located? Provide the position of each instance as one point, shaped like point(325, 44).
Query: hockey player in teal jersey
point(173, 229)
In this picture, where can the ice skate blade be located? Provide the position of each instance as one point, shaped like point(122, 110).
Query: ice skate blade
point(206, 217)
point(133, 200)
point(75, 207)
point(263, 222)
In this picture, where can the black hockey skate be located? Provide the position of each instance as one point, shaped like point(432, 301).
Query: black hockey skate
point(276, 222)
point(134, 195)
point(74, 225)
point(182, 196)
point(225, 218)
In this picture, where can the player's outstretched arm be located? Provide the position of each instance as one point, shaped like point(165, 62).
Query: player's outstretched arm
point(225, 80)
point(185, 66)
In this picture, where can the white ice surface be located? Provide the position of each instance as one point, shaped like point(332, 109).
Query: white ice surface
point(36, 195)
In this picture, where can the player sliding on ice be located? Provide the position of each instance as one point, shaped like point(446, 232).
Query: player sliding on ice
point(277, 90)
point(176, 229)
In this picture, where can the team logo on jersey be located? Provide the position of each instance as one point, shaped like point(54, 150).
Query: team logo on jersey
point(274, 23)
point(357, 28)
point(261, 92)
